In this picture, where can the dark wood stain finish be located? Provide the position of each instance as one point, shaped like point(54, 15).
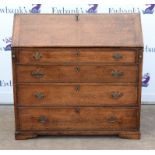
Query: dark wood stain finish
point(77, 77)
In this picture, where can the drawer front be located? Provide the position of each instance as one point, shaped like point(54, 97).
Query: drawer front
point(76, 95)
point(77, 73)
point(77, 118)
point(71, 55)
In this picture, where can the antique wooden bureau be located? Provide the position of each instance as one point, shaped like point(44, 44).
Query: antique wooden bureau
point(77, 74)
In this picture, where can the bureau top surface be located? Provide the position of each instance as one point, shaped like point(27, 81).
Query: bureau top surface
point(84, 30)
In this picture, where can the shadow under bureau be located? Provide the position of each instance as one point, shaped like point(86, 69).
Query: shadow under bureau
point(77, 74)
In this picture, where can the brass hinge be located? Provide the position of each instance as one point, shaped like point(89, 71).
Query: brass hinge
point(13, 56)
point(140, 57)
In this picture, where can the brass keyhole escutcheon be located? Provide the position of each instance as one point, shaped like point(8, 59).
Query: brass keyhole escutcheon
point(77, 69)
point(77, 88)
point(77, 17)
point(77, 53)
point(77, 109)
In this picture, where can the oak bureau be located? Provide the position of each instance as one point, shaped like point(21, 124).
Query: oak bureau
point(77, 74)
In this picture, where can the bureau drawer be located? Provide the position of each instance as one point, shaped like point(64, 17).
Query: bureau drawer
point(76, 95)
point(73, 55)
point(78, 118)
point(79, 73)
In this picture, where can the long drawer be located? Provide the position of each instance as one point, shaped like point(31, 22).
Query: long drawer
point(76, 95)
point(78, 73)
point(86, 55)
point(78, 118)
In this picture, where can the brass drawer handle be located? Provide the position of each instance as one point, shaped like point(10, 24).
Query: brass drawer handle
point(116, 74)
point(77, 69)
point(37, 56)
point(116, 95)
point(117, 56)
point(37, 74)
point(112, 119)
point(39, 95)
point(77, 109)
point(42, 119)
point(77, 88)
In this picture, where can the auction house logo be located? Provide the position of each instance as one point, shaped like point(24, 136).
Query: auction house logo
point(149, 9)
point(7, 42)
point(4, 83)
point(35, 8)
point(92, 8)
point(145, 80)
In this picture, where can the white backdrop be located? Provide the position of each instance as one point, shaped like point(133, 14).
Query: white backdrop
point(7, 11)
